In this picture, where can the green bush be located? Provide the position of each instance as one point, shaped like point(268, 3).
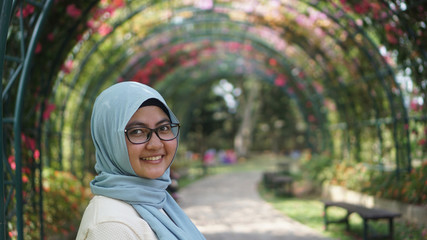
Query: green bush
point(406, 187)
point(65, 199)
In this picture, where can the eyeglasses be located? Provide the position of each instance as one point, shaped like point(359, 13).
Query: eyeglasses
point(139, 135)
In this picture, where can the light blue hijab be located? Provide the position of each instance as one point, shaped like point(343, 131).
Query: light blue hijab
point(116, 179)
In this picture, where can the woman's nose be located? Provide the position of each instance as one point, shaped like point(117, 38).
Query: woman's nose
point(154, 142)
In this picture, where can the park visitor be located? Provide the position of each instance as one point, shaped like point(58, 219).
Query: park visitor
point(136, 138)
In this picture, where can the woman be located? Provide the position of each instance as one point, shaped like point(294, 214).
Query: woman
point(135, 136)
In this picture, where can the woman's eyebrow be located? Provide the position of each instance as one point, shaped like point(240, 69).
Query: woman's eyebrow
point(137, 123)
point(166, 120)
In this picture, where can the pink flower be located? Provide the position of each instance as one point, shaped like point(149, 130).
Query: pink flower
point(48, 111)
point(104, 29)
point(24, 179)
point(92, 24)
point(26, 11)
point(415, 106)
point(318, 87)
point(67, 66)
point(29, 142)
point(73, 11)
point(11, 160)
point(280, 81)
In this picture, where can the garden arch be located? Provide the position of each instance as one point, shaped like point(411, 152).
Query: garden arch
point(352, 57)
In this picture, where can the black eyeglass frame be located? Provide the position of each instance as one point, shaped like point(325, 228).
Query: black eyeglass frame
point(172, 125)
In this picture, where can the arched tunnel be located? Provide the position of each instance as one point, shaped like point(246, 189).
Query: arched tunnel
point(343, 79)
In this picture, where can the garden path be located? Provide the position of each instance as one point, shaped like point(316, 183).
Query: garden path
point(228, 207)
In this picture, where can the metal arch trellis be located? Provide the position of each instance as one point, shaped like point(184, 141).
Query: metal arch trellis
point(14, 184)
point(180, 40)
point(5, 13)
point(100, 80)
point(96, 45)
point(388, 91)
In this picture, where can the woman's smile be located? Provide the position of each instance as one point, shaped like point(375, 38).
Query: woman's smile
point(151, 159)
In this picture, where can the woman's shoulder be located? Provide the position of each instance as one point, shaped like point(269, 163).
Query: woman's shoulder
point(106, 208)
point(115, 216)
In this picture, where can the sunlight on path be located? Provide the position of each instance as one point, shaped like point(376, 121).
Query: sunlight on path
point(228, 207)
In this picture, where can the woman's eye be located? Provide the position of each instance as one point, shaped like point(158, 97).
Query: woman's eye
point(165, 128)
point(137, 131)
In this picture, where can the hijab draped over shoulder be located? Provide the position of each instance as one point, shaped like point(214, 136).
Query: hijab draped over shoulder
point(116, 179)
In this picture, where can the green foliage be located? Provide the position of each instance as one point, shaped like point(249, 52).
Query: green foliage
point(316, 168)
point(406, 187)
point(64, 202)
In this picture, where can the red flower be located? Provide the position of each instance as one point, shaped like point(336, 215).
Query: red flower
point(159, 62)
point(73, 11)
point(422, 142)
point(24, 179)
point(272, 62)
point(391, 38)
point(51, 37)
point(26, 11)
point(38, 48)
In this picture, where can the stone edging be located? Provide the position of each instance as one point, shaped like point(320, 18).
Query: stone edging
point(412, 213)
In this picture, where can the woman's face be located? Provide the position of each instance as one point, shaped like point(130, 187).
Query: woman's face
point(150, 159)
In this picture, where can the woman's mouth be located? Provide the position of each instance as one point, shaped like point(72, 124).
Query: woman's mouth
point(156, 158)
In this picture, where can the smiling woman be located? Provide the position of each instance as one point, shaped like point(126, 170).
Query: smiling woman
point(133, 166)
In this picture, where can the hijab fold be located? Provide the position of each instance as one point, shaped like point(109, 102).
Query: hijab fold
point(116, 179)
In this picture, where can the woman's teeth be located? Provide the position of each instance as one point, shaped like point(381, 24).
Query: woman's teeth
point(151, 158)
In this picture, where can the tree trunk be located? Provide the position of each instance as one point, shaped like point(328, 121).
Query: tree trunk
point(248, 108)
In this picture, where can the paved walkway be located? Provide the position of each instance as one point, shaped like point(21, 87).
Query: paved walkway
point(228, 207)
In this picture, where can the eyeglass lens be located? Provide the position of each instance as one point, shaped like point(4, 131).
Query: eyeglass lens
point(142, 134)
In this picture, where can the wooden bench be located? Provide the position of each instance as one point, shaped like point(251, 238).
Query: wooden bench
point(366, 214)
point(281, 184)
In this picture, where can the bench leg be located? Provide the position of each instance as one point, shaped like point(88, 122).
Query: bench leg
point(325, 217)
point(365, 229)
point(390, 228)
